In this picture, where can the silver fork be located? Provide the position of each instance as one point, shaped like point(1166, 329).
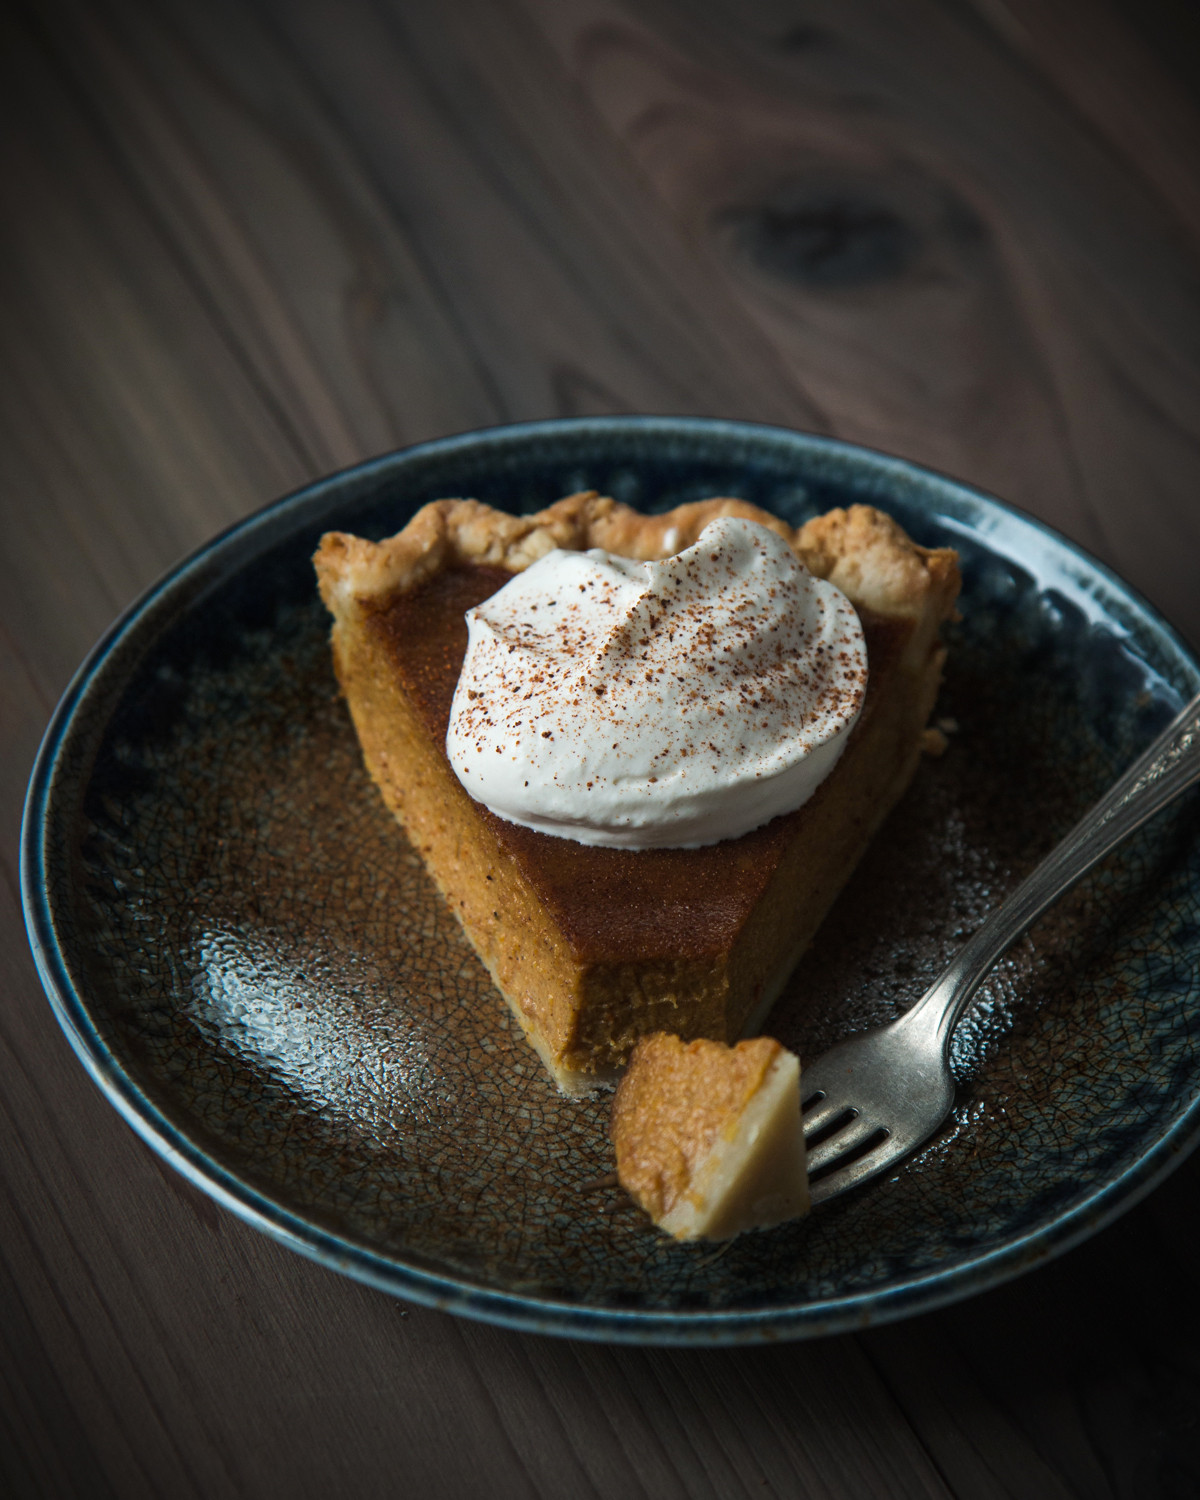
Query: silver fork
point(875, 1097)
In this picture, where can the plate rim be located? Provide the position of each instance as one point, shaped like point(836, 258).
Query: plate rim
point(221, 557)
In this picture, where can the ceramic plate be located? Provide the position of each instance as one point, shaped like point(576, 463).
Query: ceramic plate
point(251, 962)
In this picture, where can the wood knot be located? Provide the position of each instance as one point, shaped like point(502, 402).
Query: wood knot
point(803, 38)
point(825, 237)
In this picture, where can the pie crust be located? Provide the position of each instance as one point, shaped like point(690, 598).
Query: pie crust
point(594, 947)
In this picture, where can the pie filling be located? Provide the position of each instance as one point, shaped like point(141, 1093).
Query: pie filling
point(708, 1138)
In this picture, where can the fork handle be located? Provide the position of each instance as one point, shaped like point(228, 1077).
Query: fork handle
point(1157, 777)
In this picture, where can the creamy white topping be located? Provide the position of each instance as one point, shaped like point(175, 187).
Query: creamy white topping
point(657, 704)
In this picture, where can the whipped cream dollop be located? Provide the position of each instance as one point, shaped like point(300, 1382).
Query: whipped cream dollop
point(657, 704)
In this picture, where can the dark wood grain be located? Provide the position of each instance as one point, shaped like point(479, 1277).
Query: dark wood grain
point(244, 244)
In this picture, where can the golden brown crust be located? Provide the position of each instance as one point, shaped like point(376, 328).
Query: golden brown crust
point(674, 1103)
point(874, 561)
point(861, 550)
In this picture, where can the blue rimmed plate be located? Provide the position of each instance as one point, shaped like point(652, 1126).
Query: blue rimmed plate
point(251, 963)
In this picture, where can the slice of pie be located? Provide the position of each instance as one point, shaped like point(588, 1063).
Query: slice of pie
point(595, 947)
point(709, 1139)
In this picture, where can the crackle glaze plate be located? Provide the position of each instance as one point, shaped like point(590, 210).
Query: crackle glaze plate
point(252, 964)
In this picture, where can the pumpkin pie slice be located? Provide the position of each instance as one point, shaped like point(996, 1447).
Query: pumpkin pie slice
point(595, 947)
point(709, 1138)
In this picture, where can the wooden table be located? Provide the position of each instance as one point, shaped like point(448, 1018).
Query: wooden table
point(245, 244)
